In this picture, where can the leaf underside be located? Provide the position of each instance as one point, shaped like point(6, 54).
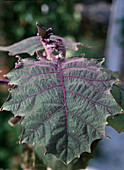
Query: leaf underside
point(29, 45)
point(64, 105)
point(33, 44)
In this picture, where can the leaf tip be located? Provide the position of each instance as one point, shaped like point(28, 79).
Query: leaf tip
point(107, 137)
point(19, 62)
point(9, 89)
point(117, 81)
point(1, 109)
point(106, 123)
point(5, 76)
point(83, 54)
point(21, 142)
point(38, 57)
point(78, 156)
point(67, 162)
point(89, 150)
point(19, 58)
point(103, 59)
point(122, 111)
point(32, 54)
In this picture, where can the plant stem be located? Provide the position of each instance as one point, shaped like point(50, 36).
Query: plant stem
point(46, 50)
point(4, 81)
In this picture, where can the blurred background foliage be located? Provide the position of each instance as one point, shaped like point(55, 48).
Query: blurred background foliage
point(77, 20)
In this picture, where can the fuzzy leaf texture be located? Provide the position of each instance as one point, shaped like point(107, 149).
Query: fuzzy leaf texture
point(33, 44)
point(29, 45)
point(50, 160)
point(64, 104)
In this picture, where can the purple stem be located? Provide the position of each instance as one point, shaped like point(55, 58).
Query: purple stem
point(43, 43)
point(4, 81)
point(93, 101)
point(86, 123)
point(65, 104)
point(46, 50)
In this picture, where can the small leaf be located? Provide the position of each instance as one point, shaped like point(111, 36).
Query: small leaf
point(43, 32)
point(118, 94)
point(64, 104)
point(116, 122)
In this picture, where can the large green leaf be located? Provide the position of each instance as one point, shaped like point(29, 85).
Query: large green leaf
point(64, 105)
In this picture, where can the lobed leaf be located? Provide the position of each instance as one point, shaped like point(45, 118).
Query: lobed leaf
point(64, 105)
point(33, 44)
point(50, 160)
